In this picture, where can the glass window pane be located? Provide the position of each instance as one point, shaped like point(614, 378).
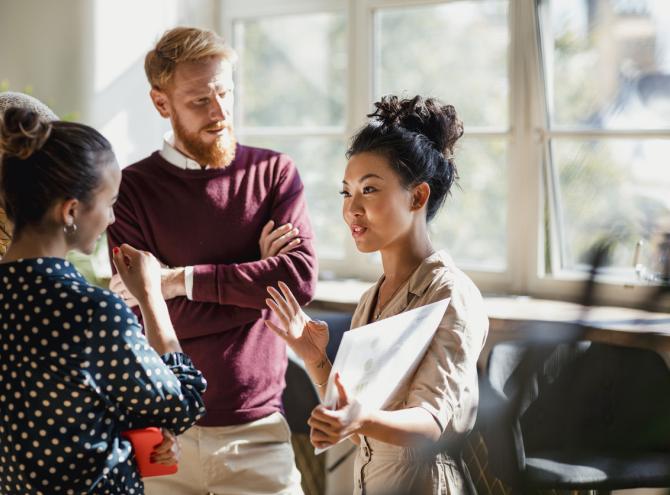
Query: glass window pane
point(456, 51)
point(611, 189)
point(473, 222)
point(291, 70)
point(608, 65)
point(321, 164)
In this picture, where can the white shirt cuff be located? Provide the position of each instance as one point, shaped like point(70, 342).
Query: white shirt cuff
point(188, 281)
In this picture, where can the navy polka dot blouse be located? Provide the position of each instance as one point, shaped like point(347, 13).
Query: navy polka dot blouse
point(75, 372)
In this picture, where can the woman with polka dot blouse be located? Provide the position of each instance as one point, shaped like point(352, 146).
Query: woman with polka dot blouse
point(75, 368)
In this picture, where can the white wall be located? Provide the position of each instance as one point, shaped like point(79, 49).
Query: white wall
point(42, 44)
point(85, 57)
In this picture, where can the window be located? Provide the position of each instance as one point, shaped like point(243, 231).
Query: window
point(607, 79)
point(291, 97)
point(566, 109)
point(420, 50)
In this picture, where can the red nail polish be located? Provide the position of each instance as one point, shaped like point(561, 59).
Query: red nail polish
point(115, 250)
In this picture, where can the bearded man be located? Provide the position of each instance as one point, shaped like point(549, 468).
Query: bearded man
point(228, 221)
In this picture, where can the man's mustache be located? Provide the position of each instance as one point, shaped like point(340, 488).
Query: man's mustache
point(218, 127)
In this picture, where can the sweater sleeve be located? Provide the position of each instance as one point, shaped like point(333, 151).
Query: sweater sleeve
point(244, 284)
point(127, 229)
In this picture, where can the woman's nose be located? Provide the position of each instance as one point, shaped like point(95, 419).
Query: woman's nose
point(353, 206)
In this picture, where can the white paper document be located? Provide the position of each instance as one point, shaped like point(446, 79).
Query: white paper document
point(373, 360)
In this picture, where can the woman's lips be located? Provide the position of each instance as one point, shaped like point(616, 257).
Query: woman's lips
point(358, 231)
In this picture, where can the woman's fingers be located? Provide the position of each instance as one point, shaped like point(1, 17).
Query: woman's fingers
point(167, 458)
point(321, 436)
point(279, 298)
point(130, 254)
point(279, 312)
point(119, 263)
point(320, 445)
point(131, 302)
point(290, 299)
point(317, 441)
point(116, 284)
point(326, 416)
point(318, 424)
point(165, 445)
point(322, 439)
point(341, 391)
point(124, 257)
point(281, 302)
point(166, 452)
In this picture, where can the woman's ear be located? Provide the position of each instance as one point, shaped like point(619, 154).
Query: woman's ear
point(68, 212)
point(420, 195)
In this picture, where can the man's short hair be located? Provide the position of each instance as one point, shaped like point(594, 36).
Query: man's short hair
point(183, 44)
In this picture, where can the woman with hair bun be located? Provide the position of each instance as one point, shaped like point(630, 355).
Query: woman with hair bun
point(76, 370)
point(9, 99)
point(401, 168)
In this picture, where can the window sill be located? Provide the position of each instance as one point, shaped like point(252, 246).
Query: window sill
point(512, 317)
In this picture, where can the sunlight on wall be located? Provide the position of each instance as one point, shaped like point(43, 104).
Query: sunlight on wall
point(123, 32)
point(116, 130)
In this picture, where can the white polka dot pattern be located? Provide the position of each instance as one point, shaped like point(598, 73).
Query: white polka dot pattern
point(75, 372)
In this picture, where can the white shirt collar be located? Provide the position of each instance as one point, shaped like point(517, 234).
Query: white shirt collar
point(175, 157)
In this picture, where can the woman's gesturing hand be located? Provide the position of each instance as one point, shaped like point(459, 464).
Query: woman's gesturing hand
point(307, 338)
point(330, 426)
point(139, 271)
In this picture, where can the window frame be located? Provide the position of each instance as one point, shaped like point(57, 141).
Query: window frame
point(611, 287)
point(531, 177)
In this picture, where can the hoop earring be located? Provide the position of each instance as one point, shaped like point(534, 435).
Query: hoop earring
point(70, 228)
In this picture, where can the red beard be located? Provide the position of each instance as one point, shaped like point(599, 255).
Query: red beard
point(218, 154)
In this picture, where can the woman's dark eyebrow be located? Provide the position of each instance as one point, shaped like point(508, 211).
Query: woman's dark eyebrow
point(369, 176)
point(366, 176)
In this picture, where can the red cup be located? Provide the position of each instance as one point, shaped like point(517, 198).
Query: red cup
point(144, 441)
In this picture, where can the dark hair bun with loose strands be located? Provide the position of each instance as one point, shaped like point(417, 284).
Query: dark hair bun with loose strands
point(42, 162)
point(418, 137)
point(439, 123)
point(22, 132)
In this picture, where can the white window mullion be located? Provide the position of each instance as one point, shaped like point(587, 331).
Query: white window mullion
point(525, 225)
point(552, 208)
point(609, 133)
point(378, 4)
point(250, 9)
point(327, 132)
point(360, 51)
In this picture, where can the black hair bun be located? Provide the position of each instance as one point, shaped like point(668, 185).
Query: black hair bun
point(430, 117)
point(22, 132)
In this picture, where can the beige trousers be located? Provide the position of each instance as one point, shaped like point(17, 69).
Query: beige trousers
point(250, 459)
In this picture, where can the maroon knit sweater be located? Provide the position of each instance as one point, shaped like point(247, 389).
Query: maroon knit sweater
point(212, 220)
